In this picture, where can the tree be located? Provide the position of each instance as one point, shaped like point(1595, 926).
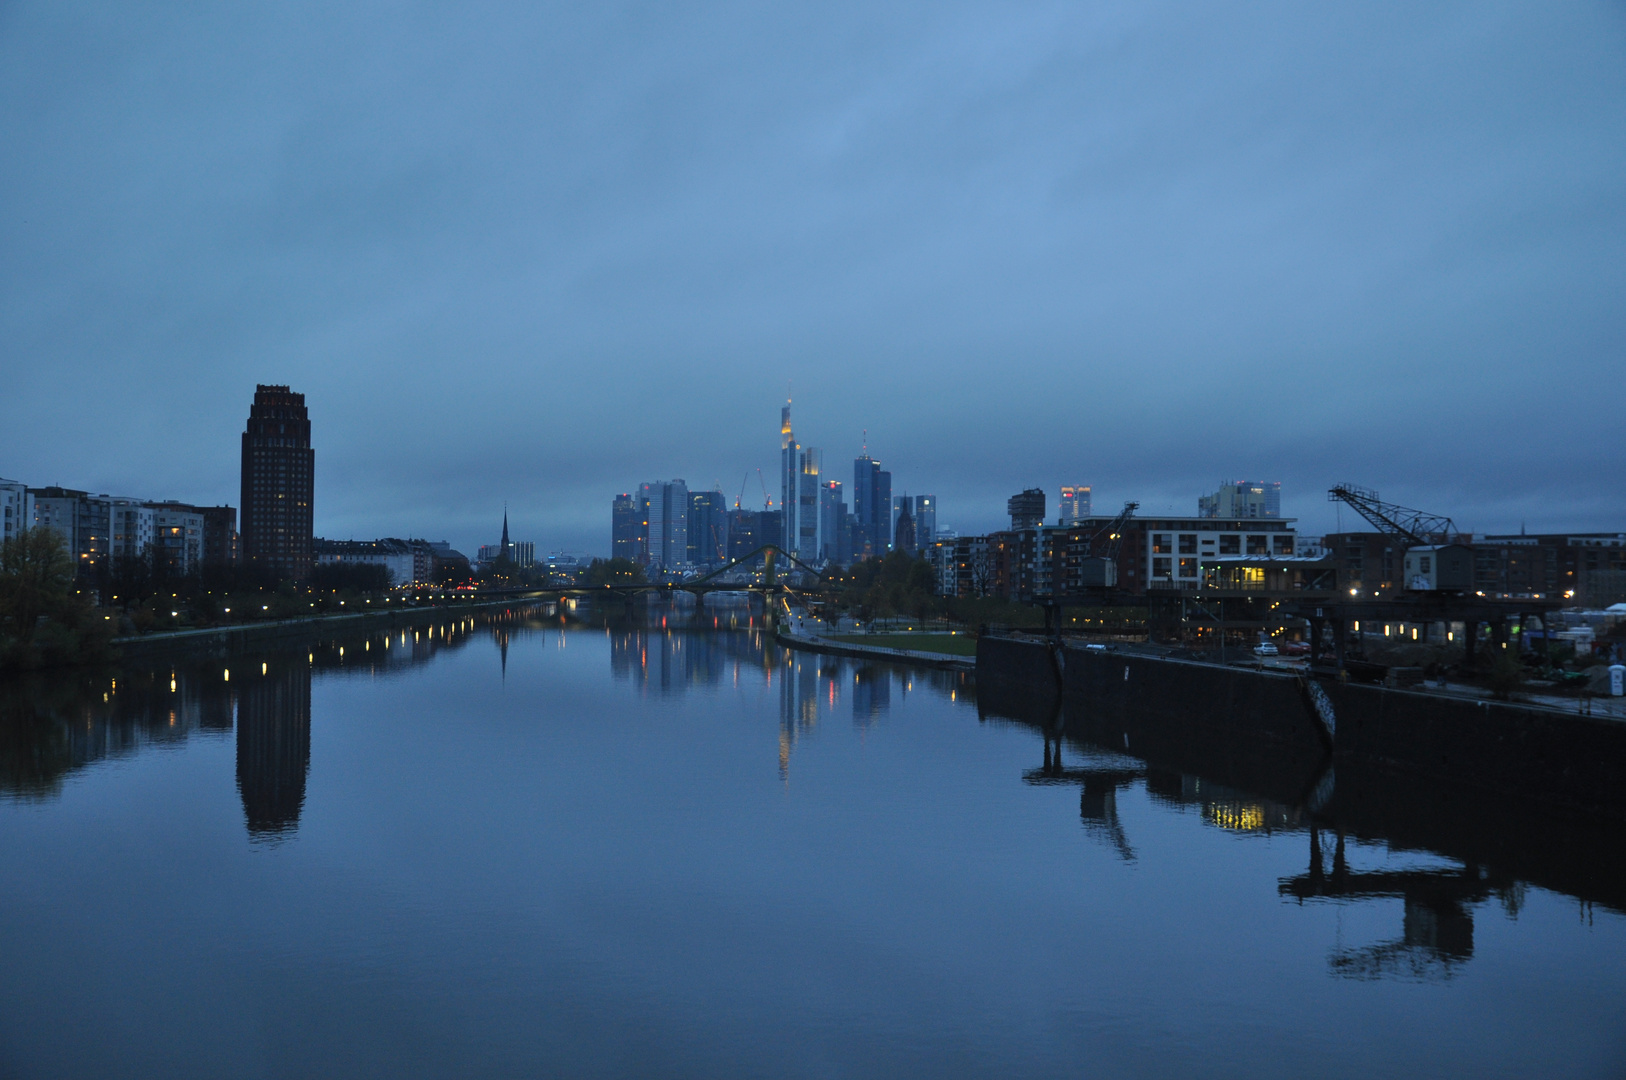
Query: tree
point(36, 578)
point(43, 618)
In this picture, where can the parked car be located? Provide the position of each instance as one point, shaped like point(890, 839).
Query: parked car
point(1265, 648)
point(1296, 648)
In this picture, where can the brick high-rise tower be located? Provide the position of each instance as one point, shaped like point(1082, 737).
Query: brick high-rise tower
point(279, 470)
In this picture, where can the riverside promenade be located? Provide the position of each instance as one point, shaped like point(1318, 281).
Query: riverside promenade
point(242, 637)
point(802, 631)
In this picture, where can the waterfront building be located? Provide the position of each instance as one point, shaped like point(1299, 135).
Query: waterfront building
point(82, 521)
point(707, 528)
point(405, 562)
point(1243, 499)
point(666, 518)
point(218, 542)
point(1075, 503)
point(98, 528)
point(278, 478)
point(131, 526)
point(1154, 554)
point(177, 537)
point(1026, 509)
point(627, 537)
point(16, 509)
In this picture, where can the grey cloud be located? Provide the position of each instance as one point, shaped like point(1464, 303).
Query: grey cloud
point(543, 252)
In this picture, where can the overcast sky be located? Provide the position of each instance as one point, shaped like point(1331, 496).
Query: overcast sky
point(543, 252)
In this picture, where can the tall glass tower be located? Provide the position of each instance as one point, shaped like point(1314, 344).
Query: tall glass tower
point(789, 481)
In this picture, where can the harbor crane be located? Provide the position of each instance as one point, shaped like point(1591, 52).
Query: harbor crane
point(1413, 528)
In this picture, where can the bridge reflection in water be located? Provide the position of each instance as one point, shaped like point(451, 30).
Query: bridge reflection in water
point(1458, 850)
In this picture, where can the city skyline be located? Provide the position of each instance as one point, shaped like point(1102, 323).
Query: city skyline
point(1128, 247)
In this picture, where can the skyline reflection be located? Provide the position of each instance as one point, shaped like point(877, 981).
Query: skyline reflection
point(1436, 857)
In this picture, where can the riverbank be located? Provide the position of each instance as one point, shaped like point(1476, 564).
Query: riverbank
point(844, 645)
point(242, 637)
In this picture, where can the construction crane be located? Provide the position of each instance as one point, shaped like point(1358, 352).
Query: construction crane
point(1097, 566)
point(1111, 538)
point(768, 500)
point(1414, 528)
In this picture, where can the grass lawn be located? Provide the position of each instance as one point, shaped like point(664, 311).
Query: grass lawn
point(952, 644)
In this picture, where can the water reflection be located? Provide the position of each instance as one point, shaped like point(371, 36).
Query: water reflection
point(274, 748)
point(1434, 856)
point(669, 649)
point(1493, 846)
point(53, 726)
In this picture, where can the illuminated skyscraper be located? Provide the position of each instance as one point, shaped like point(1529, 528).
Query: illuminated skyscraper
point(1075, 503)
point(279, 471)
point(807, 506)
point(789, 481)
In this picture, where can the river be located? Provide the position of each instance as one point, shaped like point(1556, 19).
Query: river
point(525, 844)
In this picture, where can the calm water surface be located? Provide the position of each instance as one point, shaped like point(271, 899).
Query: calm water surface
point(516, 848)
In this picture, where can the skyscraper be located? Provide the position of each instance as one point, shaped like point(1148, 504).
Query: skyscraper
point(1075, 503)
point(1243, 499)
point(626, 528)
point(835, 529)
point(667, 522)
point(1026, 509)
point(789, 481)
point(865, 471)
point(807, 506)
point(925, 521)
point(279, 470)
point(708, 528)
point(883, 516)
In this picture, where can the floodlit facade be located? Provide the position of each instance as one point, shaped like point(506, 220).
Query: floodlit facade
point(808, 519)
point(1075, 503)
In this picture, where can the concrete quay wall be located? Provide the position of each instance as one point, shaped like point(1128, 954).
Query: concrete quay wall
point(1259, 729)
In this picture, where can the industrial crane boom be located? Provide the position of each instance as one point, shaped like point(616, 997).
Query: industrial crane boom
point(1413, 527)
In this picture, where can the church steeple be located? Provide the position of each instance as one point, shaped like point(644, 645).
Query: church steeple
point(505, 530)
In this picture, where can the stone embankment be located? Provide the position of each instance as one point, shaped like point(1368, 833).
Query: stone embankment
point(247, 637)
